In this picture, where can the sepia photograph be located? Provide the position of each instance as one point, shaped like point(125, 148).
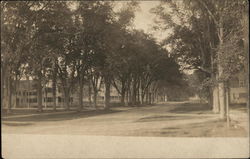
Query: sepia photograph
point(125, 79)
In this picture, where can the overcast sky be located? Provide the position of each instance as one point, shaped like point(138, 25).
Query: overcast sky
point(144, 19)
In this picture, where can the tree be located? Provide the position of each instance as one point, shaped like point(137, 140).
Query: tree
point(17, 37)
point(211, 23)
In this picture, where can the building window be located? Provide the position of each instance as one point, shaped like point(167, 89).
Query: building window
point(48, 90)
point(34, 85)
point(241, 83)
point(59, 90)
point(33, 100)
point(49, 99)
point(32, 93)
point(234, 83)
point(243, 95)
point(59, 99)
point(17, 100)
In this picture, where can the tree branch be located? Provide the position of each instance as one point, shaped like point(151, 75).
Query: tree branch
point(209, 12)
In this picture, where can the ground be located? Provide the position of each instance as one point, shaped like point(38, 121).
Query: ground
point(172, 119)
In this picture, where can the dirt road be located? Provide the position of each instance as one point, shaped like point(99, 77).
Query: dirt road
point(172, 119)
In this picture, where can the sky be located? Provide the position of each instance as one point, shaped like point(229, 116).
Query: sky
point(144, 19)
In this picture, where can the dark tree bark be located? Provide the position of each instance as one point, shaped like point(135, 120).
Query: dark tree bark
point(67, 97)
point(138, 102)
point(150, 97)
point(89, 94)
point(80, 94)
point(134, 93)
point(2, 84)
point(123, 93)
point(222, 95)
point(39, 92)
point(107, 93)
point(54, 87)
point(9, 94)
point(147, 100)
point(95, 98)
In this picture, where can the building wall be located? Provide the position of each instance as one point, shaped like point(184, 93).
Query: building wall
point(238, 95)
point(238, 89)
point(26, 96)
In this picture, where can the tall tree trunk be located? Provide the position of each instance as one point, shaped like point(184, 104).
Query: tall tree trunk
point(67, 98)
point(54, 88)
point(123, 93)
point(2, 85)
point(246, 46)
point(80, 94)
point(222, 100)
point(216, 107)
point(89, 93)
point(150, 97)
point(126, 97)
point(28, 92)
point(221, 83)
point(215, 91)
point(15, 93)
point(127, 90)
point(142, 95)
point(138, 93)
point(227, 103)
point(107, 93)
point(142, 98)
point(39, 94)
point(9, 94)
point(147, 101)
point(130, 96)
point(134, 92)
point(153, 98)
point(95, 98)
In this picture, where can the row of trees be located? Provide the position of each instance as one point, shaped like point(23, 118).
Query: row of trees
point(210, 37)
point(74, 44)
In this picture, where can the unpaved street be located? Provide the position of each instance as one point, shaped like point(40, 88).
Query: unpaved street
point(173, 119)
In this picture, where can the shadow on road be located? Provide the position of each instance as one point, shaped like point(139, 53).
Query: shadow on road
point(17, 124)
point(57, 117)
point(198, 108)
point(163, 118)
point(212, 128)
